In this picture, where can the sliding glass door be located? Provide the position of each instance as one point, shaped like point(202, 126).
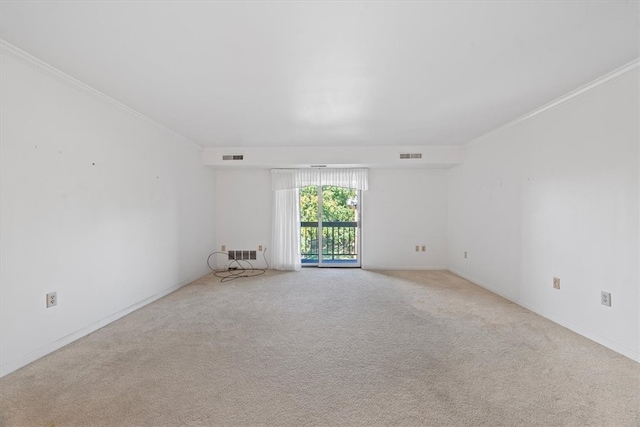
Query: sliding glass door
point(330, 226)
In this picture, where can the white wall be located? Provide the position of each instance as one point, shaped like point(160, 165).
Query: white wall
point(243, 220)
point(557, 195)
point(402, 209)
point(97, 204)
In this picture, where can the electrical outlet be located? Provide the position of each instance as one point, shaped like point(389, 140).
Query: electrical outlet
point(417, 248)
point(556, 283)
point(424, 248)
point(465, 254)
point(259, 248)
point(52, 299)
point(223, 248)
point(605, 298)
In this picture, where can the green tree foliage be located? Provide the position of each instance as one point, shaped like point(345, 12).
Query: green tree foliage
point(309, 204)
point(336, 207)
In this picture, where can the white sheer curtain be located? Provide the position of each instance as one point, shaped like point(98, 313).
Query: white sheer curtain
point(285, 245)
point(348, 178)
point(282, 179)
point(298, 178)
point(286, 183)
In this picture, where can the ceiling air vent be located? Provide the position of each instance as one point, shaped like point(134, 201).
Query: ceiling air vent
point(411, 156)
point(233, 157)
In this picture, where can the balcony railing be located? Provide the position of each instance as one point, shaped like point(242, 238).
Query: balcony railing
point(339, 241)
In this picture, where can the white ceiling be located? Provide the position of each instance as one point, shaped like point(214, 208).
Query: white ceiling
point(263, 74)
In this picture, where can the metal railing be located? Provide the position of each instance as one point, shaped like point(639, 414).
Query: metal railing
point(339, 241)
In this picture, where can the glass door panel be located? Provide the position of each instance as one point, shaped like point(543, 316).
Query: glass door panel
point(339, 227)
point(309, 226)
point(330, 226)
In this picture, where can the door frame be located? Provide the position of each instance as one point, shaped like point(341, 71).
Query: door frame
point(358, 232)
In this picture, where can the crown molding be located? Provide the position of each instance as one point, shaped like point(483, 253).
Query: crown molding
point(601, 81)
point(55, 74)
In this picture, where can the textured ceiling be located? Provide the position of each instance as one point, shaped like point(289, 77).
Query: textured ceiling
point(261, 74)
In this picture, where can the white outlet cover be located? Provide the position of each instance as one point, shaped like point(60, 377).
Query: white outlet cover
point(605, 298)
point(52, 299)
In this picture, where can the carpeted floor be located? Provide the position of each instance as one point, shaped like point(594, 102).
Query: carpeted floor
point(328, 347)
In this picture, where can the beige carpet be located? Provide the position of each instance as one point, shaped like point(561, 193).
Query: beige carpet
point(328, 347)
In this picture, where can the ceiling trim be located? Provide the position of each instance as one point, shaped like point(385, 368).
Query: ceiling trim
point(600, 81)
point(52, 72)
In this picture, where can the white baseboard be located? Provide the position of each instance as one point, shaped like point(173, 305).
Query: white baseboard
point(399, 268)
point(22, 361)
point(618, 348)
